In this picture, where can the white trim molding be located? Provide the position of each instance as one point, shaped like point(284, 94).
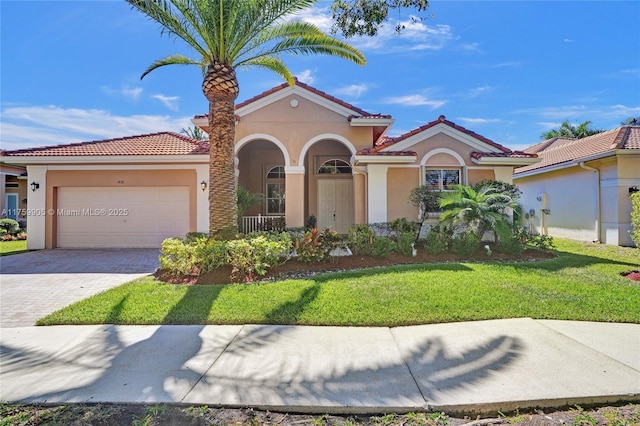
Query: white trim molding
point(265, 137)
point(325, 136)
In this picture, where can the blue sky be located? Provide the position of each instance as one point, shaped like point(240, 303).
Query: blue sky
point(507, 70)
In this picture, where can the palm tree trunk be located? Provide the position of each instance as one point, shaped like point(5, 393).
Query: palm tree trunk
point(220, 86)
point(223, 208)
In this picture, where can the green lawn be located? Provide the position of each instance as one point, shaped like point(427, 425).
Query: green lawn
point(12, 247)
point(583, 283)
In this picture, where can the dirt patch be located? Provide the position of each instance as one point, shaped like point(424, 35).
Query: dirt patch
point(126, 414)
point(296, 269)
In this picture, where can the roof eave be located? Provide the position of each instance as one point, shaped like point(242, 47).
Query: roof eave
point(371, 122)
point(100, 159)
point(385, 159)
point(506, 161)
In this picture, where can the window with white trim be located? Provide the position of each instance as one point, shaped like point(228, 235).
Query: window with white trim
point(334, 167)
point(442, 179)
point(275, 191)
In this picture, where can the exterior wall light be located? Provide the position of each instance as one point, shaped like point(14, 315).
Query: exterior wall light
point(34, 186)
point(203, 185)
point(634, 189)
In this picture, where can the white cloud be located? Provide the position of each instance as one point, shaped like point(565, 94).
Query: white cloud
point(471, 47)
point(32, 126)
point(131, 93)
point(414, 100)
point(511, 64)
point(469, 120)
point(306, 77)
point(170, 102)
point(353, 90)
point(485, 88)
point(414, 36)
point(568, 40)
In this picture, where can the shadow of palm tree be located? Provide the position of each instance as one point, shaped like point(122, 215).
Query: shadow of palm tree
point(368, 272)
point(129, 364)
point(289, 312)
point(311, 374)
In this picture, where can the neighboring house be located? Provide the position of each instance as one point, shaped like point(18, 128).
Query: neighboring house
point(580, 190)
point(13, 193)
point(307, 152)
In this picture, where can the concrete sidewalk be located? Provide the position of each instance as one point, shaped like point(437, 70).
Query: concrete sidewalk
point(473, 367)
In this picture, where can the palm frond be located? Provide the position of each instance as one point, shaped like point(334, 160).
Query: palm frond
point(273, 64)
point(176, 59)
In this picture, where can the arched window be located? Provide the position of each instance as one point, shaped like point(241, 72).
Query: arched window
point(334, 167)
point(275, 191)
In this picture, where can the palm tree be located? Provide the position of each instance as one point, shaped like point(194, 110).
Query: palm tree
point(195, 132)
point(227, 34)
point(568, 130)
point(480, 210)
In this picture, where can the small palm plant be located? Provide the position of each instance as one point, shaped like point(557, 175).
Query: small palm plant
point(479, 210)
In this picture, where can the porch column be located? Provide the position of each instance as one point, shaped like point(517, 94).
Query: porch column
point(294, 196)
point(40, 213)
point(3, 195)
point(202, 198)
point(359, 198)
point(377, 192)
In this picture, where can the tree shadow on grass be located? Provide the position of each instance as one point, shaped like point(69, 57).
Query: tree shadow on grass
point(369, 272)
point(194, 307)
point(571, 260)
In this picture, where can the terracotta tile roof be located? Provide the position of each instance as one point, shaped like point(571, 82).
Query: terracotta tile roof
point(362, 113)
point(163, 143)
point(371, 151)
point(561, 150)
point(443, 119)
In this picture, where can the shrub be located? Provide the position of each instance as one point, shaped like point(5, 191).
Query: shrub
point(635, 218)
point(310, 248)
point(312, 222)
point(539, 241)
point(210, 254)
point(405, 242)
point(178, 257)
point(465, 243)
point(361, 240)
point(9, 226)
point(193, 236)
point(21, 236)
point(316, 246)
point(382, 246)
point(252, 256)
point(438, 239)
point(511, 245)
point(402, 225)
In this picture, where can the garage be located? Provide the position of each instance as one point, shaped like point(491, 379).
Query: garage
point(122, 217)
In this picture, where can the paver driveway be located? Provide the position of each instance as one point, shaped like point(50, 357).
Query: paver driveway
point(37, 283)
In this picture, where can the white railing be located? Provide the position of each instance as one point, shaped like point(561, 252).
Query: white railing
point(262, 223)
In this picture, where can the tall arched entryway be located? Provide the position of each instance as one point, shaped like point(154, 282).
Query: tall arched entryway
point(329, 183)
point(261, 170)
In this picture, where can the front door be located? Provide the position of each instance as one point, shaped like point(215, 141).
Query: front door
point(335, 204)
point(12, 206)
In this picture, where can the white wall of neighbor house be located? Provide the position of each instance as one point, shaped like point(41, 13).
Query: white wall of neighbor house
point(36, 208)
point(570, 196)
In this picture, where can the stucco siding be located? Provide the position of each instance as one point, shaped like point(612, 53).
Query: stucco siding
point(400, 182)
point(571, 199)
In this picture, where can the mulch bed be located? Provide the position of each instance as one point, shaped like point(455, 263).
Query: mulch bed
point(296, 269)
point(632, 275)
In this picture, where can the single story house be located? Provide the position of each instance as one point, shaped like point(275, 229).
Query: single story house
point(580, 189)
point(308, 152)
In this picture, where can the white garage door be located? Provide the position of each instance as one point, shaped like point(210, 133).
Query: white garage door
point(121, 217)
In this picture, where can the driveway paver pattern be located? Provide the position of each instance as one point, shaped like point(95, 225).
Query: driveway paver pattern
point(37, 283)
